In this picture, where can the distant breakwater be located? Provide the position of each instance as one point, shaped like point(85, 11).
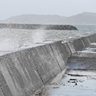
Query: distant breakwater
point(38, 26)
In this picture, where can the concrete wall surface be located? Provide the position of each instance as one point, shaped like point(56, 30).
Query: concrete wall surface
point(92, 38)
point(76, 45)
point(23, 72)
point(83, 47)
point(80, 44)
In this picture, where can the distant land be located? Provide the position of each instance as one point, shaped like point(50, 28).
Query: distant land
point(85, 18)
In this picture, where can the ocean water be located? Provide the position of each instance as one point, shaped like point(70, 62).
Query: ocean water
point(17, 39)
point(86, 28)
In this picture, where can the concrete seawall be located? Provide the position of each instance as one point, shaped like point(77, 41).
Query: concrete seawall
point(25, 71)
point(83, 47)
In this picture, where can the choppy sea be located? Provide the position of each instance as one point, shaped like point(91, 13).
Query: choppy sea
point(14, 39)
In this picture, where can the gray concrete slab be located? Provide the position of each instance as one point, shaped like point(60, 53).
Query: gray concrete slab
point(28, 70)
point(21, 77)
point(61, 52)
point(45, 62)
point(92, 38)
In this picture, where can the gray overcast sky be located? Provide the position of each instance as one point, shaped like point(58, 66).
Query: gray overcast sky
point(10, 8)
